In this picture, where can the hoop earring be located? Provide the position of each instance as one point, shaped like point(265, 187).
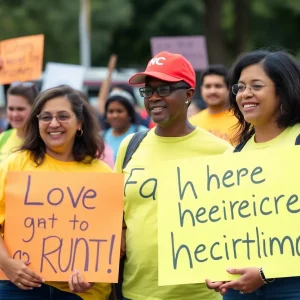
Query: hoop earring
point(79, 132)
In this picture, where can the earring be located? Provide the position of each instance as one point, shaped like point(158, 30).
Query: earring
point(187, 102)
point(79, 132)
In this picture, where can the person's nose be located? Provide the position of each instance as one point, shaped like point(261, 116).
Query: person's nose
point(114, 114)
point(247, 93)
point(15, 113)
point(54, 123)
point(213, 90)
point(155, 96)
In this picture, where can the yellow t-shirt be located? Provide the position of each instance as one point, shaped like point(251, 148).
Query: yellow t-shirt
point(140, 212)
point(12, 143)
point(286, 138)
point(21, 161)
point(221, 124)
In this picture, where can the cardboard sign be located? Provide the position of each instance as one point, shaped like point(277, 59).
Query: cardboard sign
point(65, 221)
point(58, 74)
point(229, 211)
point(22, 58)
point(193, 48)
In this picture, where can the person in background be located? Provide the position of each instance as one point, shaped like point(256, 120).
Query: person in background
point(169, 89)
point(142, 115)
point(120, 118)
point(265, 99)
point(216, 118)
point(107, 156)
point(20, 98)
point(62, 135)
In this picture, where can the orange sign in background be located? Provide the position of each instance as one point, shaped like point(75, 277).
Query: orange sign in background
point(65, 221)
point(22, 58)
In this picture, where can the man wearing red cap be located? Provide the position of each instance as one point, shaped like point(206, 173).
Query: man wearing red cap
point(169, 82)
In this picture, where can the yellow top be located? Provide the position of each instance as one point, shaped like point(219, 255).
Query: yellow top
point(286, 138)
point(220, 124)
point(21, 161)
point(140, 212)
point(11, 144)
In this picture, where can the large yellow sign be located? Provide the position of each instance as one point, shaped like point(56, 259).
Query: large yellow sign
point(228, 211)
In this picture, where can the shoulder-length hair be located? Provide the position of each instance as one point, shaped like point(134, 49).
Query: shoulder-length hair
point(86, 148)
point(284, 70)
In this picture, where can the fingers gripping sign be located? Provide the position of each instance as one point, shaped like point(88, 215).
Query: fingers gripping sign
point(18, 273)
point(77, 284)
point(248, 282)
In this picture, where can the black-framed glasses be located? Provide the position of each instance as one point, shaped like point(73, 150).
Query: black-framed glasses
point(162, 91)
point(255, 87)
point(60, 117)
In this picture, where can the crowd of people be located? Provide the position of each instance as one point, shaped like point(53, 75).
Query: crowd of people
point(254, 106)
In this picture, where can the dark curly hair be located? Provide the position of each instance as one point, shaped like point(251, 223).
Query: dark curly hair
point(284, 70)
point(86, 148)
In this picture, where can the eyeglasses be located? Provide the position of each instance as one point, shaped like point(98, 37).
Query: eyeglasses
point(162, 91)
point(240, 87)
point(60, 117)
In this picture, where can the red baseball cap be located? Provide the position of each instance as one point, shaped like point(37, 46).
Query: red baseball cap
point(168, 67)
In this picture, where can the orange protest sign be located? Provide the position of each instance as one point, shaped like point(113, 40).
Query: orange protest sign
point(22, 58)
point(65, 221)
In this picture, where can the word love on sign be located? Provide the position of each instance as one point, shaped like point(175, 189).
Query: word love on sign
point(65, 221)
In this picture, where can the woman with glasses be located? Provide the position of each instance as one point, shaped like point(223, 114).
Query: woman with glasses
point(169, 81)
point(62, 134)
point(20, 98)
point(120, 119)
point(265, 99)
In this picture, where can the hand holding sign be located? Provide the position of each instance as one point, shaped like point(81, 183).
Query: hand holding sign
point(216, 286)
point(77, 283)
point(19, 274)
point(249, 281)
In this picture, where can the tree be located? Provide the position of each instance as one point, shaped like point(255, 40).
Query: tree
point(217, 51)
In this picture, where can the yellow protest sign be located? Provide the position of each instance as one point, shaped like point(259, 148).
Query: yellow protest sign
point(65, 221)
point(228, 211)
point(22, 58)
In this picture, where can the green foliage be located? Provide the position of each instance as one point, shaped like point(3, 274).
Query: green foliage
point(125, 27)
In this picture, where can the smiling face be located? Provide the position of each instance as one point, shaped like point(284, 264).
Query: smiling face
point(58, 136)
point(214, 90)
point(18, 110)
point(261, 106)
point(117, 116)
point(169, 109)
